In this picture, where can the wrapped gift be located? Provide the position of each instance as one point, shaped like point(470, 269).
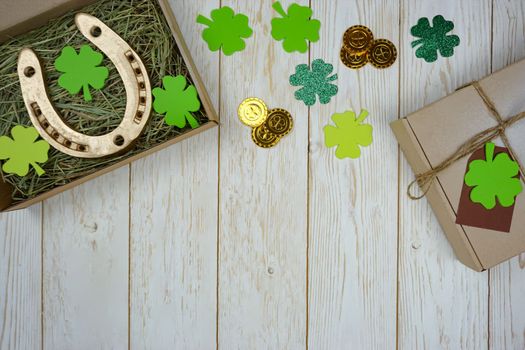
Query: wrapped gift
point(467, 151)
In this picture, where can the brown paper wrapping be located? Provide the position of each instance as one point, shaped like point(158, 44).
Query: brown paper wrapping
point(430, 135)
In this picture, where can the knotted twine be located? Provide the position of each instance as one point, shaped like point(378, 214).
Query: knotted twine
point(425, 180)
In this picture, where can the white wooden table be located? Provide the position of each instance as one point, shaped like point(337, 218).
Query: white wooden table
point(289, 248)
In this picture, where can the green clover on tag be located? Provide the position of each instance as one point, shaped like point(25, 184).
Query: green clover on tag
point(225, 30)
point(81, 71)
point(493, 177)
point(177, 102)
point(296, 27)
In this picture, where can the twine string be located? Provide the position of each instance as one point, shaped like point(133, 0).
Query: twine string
point(425, 180)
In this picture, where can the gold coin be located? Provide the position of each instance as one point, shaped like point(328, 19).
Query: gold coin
point(352, 60)
point(253, 112)
point(279, 122)
point(263, 137)
point(358, 39)
point(382, 54)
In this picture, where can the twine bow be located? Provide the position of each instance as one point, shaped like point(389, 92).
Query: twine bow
point(425, 180)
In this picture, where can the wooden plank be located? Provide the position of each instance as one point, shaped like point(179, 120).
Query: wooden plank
point(20, 279)
point(442, 304)
point(174, 224)
point(507, 320)
point(263, 198)
point(85, 265)
point(353, 202)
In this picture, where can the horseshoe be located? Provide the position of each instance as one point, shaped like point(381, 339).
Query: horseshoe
point(50, 124)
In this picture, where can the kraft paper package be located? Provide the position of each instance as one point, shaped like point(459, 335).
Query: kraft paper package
point(481, 237)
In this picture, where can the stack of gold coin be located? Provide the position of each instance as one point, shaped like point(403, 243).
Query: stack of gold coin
point(360, 48)
point(268, 126)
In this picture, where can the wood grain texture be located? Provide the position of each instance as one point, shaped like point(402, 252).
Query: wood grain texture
point(507, 290)
point(85, 265)
point(174, 224)
point(442, 304)
point(263, 198)
point(20, 279)
point(313, 252)
point(353, 231)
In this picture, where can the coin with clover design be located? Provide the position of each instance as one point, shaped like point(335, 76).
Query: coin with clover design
point(358, 39)
point(279, 122)
point(268, 126)
point(253, 112)
point(263, 137)
point(382, 54)
point(352, 60)
point(360, 47)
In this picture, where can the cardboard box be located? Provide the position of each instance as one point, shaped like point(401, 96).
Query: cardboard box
point(434, 133)
point(20, 16)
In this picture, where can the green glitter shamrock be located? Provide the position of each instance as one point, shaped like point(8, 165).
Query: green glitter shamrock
point(434, 38)
point(493, 177)
point(315, 82)
point(177, 101)
point(349, 134)
point(226, 30)
point(22, 151)
point(81, 71)
point(296, 27)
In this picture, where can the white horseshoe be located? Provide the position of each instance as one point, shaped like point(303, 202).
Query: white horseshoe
point(50, 124)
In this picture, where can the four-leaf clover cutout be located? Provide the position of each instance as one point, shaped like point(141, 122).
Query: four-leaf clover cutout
point(225, 30)
point(316, 81)
point(493, 177)
point(81, 71)
point(348, 134)
point(296, 27)
point(177, 101)
point(434, 39)
point(23, 150)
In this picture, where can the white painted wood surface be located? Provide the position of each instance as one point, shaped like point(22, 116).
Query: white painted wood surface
point(353, 230)
point(442, 304)
point(173, 215)
point(21, 279)
point(507, 281)
point(263, 199)
point(85, 265)
point(288, 248)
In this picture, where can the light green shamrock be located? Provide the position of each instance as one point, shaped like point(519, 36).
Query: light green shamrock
point(348, 134)
point(493, 177)
point(22, 151)
point(177, 101)
point(296, 27)
point(81, 71)
point(225, 30)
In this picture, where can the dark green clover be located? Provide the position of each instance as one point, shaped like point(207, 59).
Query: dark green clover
point(316, 81)
point(434, 39)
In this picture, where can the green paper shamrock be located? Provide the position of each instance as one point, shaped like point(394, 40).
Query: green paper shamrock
point(494, 177)
point(349, 134)
point(226, 30)
point(314, 82)
point(177, 101)
point(81, 71)
point(434, 39)
point(22, 151)
point(295, 28)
